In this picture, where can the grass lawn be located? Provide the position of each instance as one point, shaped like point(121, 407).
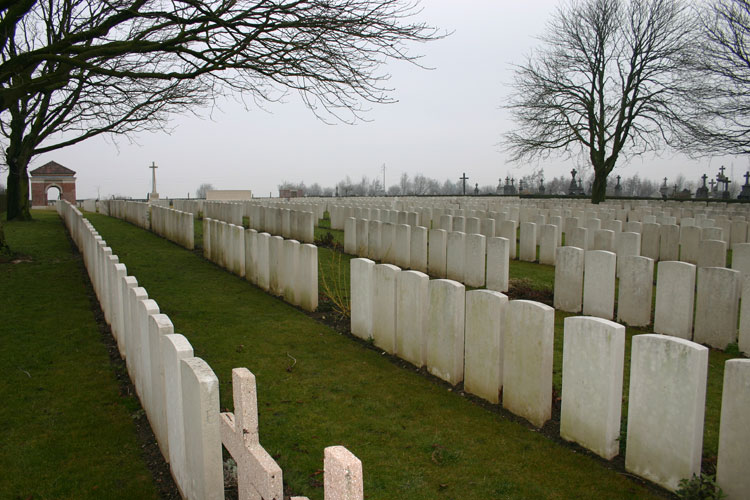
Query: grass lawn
point(416, 437)
point(66, 430)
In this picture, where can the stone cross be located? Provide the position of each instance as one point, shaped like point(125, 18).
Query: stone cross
point(464, 179)
point(153, 168)
point(618, 180)
point(665, 181)
point(747, 178)
point(722, 170)
point(712, 183)
point(258, 475)
point(704, 177)
point(573, 173)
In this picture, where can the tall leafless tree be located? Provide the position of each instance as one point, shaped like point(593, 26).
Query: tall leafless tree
point(721, 121)
point(605, 83)
point(73, 69)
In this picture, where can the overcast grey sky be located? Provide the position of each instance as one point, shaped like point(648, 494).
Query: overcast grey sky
point(447, 121)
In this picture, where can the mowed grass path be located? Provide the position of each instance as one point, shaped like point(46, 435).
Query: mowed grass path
point(66, 432)
point(316, 388)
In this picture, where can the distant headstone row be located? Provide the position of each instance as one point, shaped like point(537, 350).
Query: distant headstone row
point(284, 268)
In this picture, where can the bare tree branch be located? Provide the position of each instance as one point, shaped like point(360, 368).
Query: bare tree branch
point(721, 78)
point(74, 69)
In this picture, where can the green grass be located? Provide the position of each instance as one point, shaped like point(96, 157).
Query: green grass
point(66, 432)
point(416, 438)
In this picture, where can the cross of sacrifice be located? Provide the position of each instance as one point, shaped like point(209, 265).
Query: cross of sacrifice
point(153, 168)
point(258, 475)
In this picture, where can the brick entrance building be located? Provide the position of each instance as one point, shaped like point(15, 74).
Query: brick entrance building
point(50, 175)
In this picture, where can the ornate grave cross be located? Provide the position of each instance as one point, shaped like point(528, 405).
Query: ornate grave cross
point(464, 179)
point(747, 178)
point(665, 182)
point(573, 173)
point(258, 475)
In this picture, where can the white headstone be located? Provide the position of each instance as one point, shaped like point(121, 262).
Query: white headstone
point(444, 346)
point(412, 302)
point(483, 360)
point(675, 298)
point(527, 247)
point(498, 265)
point(342, 478)
point(547, 244)
point(362, 282)
point(593, 358)
point(599, 284)
point(665, 418)
point(474, 270)
point(436, 252)
point(384, 307)
point(734, 433)
point(456, 256)
point(528, 343)
point(200, 402)
point(175, 348)
point(568, 293)
point(636, 290)
point(716, 306)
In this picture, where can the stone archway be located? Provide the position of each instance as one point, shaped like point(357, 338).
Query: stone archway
point(50, 175)
point(47, 193)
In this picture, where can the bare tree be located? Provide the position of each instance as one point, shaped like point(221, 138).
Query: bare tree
point(721, 123)
point(203, 189)
point(605, 84)
point(73, 69)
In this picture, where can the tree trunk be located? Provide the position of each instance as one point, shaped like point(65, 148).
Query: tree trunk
point(4, 248)
point(599, 189)
point(18, 186)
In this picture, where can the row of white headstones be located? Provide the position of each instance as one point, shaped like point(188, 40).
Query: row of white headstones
point(180, 392)
point(493, 345)
point(475, 260)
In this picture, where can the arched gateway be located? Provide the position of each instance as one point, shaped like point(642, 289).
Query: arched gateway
point(50, 175)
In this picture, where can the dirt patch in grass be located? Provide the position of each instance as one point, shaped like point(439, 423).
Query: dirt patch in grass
point(522, 288)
